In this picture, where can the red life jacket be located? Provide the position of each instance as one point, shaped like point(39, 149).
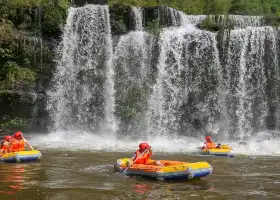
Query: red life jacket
point(210, 145)
point(17, 145)
point(141, 158)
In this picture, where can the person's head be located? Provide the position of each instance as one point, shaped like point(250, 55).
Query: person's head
point(143, 146)
point(7, 138)
point(18, 135)
point(208, 139)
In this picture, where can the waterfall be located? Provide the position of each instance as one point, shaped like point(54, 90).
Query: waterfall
point(184, 96)
point(82, 93)
point(238, 21)
point(132, 61)
point(247, 64)
point(183, 81)
point(137, 18)
point(191, 19)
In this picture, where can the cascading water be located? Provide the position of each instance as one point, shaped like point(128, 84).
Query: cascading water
point(185, 82)
point(237, 21)
point(174, 15)
point(184, 97)
point(246, 79)
point(82, 96)
point(137, 18)
point(132, 60)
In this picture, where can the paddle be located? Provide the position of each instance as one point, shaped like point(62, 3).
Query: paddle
point(134, 161)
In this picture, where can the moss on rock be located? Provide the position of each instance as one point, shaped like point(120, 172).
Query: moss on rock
point(211, 24)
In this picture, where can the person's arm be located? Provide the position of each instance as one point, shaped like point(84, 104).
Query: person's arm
point(204, 146)
point(25, 141)
point(151, 151)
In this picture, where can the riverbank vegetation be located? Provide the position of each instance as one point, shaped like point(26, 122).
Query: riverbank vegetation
point(27, 30)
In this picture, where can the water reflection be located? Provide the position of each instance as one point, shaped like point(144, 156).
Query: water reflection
point(142, 188)
point(167, 188)
point(16, 177)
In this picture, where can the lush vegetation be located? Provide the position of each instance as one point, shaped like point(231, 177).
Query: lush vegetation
point(26, 27)
point(23, 24)
point(243, 7)
point(15, 124)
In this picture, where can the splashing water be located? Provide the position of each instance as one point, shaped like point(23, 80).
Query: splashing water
point(84, 69)
point(263, 144)
point(182, 80)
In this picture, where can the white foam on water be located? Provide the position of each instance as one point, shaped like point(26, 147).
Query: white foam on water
point(92, 142)
point(262, 144)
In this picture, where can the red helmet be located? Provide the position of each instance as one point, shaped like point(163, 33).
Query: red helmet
point(208, 139)
point(7, 138)
point(144, 146)
point(18, 135)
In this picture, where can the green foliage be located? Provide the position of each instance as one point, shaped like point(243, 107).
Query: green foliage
point(130, 103)
point(221, 6)
point(133, 2)
point(153, 27)
point(31, 14)
point(53, 18)
point(16, 123)
point(211, 25)
point(272, 20)
point(245, 7)
point(6, 31)
point(6, 54)
point(119, 18)
point(15, 77)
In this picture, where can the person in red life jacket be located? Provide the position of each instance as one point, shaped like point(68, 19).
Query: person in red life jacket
point(18, 141)
point(143, 154)
point(209, 144)
point(5, 145)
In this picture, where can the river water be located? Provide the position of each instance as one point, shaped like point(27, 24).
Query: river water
point(82, 175)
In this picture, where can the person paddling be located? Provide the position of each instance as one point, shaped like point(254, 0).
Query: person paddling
point(209, 144)
point(18, 141)
point(143, 154)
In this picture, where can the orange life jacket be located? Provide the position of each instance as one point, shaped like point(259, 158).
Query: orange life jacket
point(210, 145)
point(21, 145)
point(14, 145)
point(17, 145)
point(141, 159)
point(5, 146)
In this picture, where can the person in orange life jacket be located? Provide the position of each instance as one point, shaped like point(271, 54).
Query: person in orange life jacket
point(18, 142)
point(143, 154)
point(209, 144)
point(5, 144)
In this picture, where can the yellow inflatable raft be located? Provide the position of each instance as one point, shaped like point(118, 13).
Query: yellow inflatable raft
point(21, 156)
point(224, 150)
point(172, 170)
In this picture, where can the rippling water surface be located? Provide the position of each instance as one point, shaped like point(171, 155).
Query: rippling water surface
point(82, 175)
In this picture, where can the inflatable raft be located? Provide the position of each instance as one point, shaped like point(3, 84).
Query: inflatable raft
point(172, 170)
point(225, 150)
point(21, 156)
